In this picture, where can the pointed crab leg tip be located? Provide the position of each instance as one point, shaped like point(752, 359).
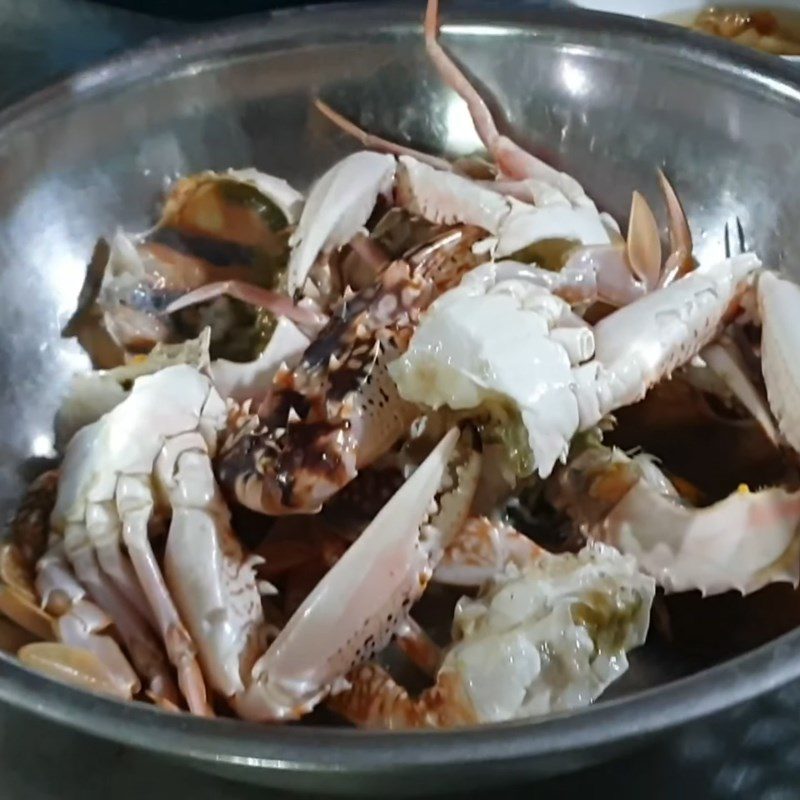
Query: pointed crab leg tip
point(679, 261)
point(644, 241)
point(347, 612)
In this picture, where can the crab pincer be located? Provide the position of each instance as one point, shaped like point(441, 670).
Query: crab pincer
point(364, 600)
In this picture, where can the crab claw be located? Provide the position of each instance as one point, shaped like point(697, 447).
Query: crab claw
point(741, 543)
point(359, 604)
point(371, 142)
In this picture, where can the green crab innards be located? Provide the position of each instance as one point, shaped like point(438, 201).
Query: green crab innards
point(310, 411)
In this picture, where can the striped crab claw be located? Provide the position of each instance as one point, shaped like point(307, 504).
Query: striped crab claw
point(513, 645)
point(364, 600)
point(338, 410)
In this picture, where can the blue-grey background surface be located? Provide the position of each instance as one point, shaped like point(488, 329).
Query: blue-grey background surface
point(752, 751)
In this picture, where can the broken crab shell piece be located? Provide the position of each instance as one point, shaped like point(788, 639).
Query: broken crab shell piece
point(744, 542)
point(354, 611)
point(218, 203)
point(338, 206)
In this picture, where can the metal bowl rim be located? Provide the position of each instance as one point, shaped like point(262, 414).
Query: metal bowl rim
point(321, 749)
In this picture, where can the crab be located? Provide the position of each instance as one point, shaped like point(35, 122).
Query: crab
point(118, 487)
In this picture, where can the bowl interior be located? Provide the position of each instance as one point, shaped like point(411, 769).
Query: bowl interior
point(608, 103)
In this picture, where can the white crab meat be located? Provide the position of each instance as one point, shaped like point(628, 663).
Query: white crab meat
point(553, 637)
point(508, 347)
point(338, 206)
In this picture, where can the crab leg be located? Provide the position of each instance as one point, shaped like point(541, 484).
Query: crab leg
point(511, 159)
point(209, 577)
point(135, 504)
point(418, 646)
point(142, 646)
point(376, 700)
point(103, 526)
point(372, 142)
point(78, 621)
point(79, 628)
point(76, 666)
point(64, 611)
point(275, 302)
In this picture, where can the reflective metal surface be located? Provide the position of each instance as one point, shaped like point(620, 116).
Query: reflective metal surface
point(606, 98)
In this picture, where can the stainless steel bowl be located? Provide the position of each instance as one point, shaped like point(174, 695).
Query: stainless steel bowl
point(608, 98)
